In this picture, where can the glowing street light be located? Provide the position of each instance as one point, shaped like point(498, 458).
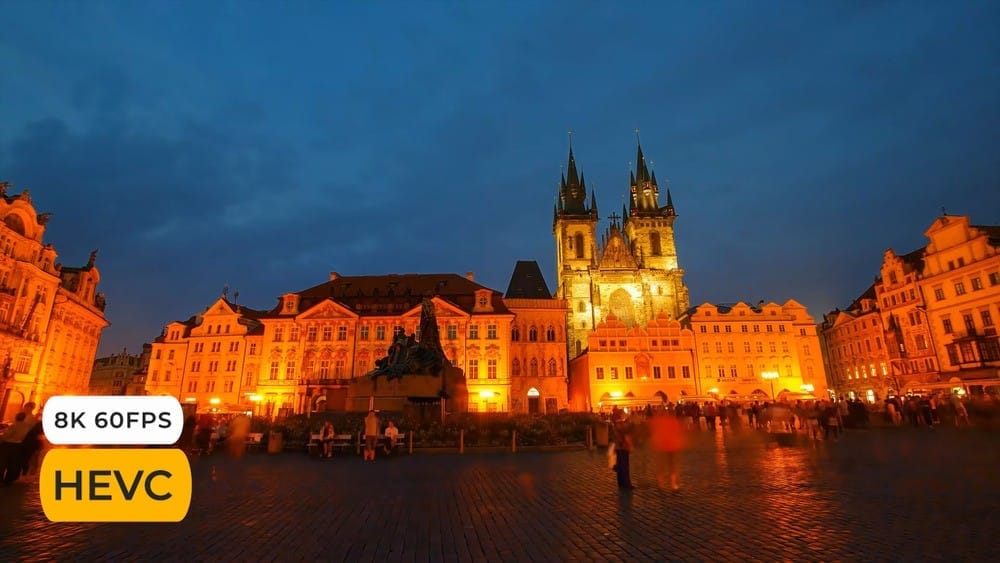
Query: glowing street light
point(770, 376)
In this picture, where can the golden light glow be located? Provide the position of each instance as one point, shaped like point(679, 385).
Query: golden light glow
point(214, 400)
point(714, 390)
point(485, 394)
point(190, 400)
point(769, 374)
point(256, 398)
point(616, 394)
point(808, 388)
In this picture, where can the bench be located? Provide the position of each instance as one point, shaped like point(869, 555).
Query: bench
point(313, 445)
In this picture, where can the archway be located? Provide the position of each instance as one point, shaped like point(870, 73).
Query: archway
point(661, 396)
point(534, 401)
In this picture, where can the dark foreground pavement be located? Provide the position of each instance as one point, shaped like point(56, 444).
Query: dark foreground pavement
point(895, 494)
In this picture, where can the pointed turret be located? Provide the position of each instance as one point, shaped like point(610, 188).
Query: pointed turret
point(670, 204)
point(593, 202)
point(572, 189)
point(642, 171)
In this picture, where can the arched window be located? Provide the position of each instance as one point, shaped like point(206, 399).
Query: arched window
point(550, 334)
point(654, 244)
point(534, 367)
point(552, 368)
point(515, 334)
point(515, 367)
point(578, 243)
point(533, 334)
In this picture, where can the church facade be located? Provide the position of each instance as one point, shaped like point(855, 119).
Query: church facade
point(631, 271)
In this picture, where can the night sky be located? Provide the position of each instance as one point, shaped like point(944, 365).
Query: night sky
point(262, 146)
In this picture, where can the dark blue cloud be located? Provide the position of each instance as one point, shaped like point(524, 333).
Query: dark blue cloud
point(264, 146)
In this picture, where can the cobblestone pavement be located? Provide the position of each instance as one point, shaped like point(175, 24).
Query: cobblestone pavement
point(897, 494)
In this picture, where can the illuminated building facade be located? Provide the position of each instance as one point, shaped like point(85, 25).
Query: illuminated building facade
point(936, 310)
point(961, 286)
point(51, 316)
point(633, 366)
point(301, 355)
point(737, 345)
point(858, 353)
point(632, 272)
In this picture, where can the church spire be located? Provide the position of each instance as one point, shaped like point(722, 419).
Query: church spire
point(573, 189)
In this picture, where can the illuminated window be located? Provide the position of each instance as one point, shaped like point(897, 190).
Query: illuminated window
point(614, 373)
point(491, 369)
point(274, 371)
point(473, 369)
point(959, 288)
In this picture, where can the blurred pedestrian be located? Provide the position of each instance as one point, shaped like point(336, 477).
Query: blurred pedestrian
point(667, 441)
point(239, 430)
point(623, 448)
point(371, 435)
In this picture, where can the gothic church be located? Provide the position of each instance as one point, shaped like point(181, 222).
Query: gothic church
point(631, 272)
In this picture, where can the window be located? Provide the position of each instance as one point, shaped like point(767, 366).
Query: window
point(994, 278)
point(473, 331)
point(730, 347)
point(158, 351)
point(339, 368)
point(977, 284)
point(746, 346)
point(311, 334)
point(760, 347)
point(756, 328)
point(290, 370)
point(722, 372)
point(718, 347)
point(532, 334)
point(380, 332)
point(614, 373)
point(515, 367)
point(938, 294)
point(987, 319)
point(959, 288)
point(732, 371)
point(656, 372)
point(729, 328)
point(715, 328)
point(781, 328)
point(452, 332)
point(654, 244)
point(341, 333)
point(802, 332)
point(491, 369)
point(213, 366)
point(170, 355)
point(784, 347)
point(970, 323)
point(491, 331)
point(920, 341)
point(686, 372)
point(253, 349)
point(772, 347)
point(274, 371)
point(628, 372)
point(473, 369)
point(534, 368)
point(743, 328)
point(293, 334)
point(600, 373)
point(324, 369)
point(363, 335)
point(946, 323)
point(515, 334)
point(327, 333)
point(279, 334)
point(196, 366)
point(750, 370)
point(228, 388)
point(550, 334)
point(552, 368)
point(704, 347)
point(770, 328)
point(703, 328)
point(805, 349)
point(192, 386)
point(216, 347)
point(234, 346)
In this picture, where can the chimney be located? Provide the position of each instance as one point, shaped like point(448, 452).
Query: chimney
point(334, 276)
point(470, 276)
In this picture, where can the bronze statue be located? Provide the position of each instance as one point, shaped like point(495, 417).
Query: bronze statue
point(407, 356)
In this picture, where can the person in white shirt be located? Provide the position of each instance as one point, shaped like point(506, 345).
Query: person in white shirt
point(371, 435)
point(392, 434)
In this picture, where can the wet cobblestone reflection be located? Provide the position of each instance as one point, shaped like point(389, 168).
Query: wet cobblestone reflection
point(895, 494)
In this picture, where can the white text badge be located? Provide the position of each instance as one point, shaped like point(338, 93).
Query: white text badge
point(115, 420)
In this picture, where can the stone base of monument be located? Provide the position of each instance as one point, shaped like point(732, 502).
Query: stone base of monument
point(416, 395)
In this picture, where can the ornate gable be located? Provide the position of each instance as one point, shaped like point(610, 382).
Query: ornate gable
point(327, 309)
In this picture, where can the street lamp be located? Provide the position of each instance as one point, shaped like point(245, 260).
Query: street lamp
point(770, 376)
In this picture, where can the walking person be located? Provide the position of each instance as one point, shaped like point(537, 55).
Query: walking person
point(371, 435)
point(623, 449)
point(666, 437)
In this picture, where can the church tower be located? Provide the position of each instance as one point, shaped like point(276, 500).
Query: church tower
point(631, 274)
point(574, 225)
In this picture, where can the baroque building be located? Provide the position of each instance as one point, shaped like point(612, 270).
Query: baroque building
point(738, 346)
point(302, 355)
point(115, 374)
point(934, 309)
point(632, 272)
point(51, 316)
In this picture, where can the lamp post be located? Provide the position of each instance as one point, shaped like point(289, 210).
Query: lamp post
point(770, 376)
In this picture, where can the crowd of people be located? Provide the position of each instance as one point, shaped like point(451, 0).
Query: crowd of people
point(21, 445)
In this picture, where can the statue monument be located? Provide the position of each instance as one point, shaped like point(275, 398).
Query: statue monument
point(406, 356)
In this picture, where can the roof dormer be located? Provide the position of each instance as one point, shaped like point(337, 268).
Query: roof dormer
point(290, 304)
point(484, 301)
